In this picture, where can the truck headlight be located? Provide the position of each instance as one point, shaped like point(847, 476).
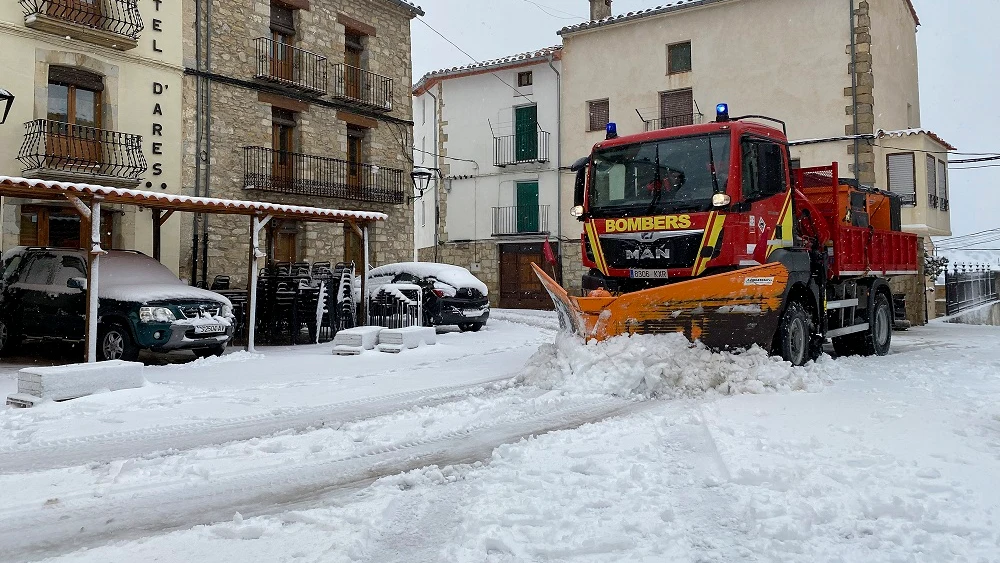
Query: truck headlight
point(158, 314)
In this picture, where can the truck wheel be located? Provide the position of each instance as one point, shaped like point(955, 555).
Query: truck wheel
point(794, 336)
point(114, 342)
point(874, 341)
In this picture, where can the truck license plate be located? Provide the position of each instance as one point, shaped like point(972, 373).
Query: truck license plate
point(649, 274)
point(208, 329)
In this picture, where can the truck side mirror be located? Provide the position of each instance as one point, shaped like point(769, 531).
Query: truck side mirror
point(77, 283)
point(580, 167)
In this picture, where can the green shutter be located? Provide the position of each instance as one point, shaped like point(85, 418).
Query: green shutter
point(527, 207)
point(526, 133)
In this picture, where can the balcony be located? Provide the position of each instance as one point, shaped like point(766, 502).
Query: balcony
point(356, 86)
point(110, 23)
point(521, 148)
point(520, 220)
point(944, 204)
point(674, 121)
point(53, 150)
point(302, 174)
point(290, 66)
point(932, 201)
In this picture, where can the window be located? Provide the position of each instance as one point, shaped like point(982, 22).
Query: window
point(942, 182)
point(526, 133)
point(598, 114)
point(69, 267)
point(283, 245)
point(932, 196)
point(40, 270)
point(676, 108)
point(60, 227)
point(282, 37)
point(763, 169)
point(74, 105)
point(354, 51)
point(524, 79)
point(900, 168)
point(679, 58)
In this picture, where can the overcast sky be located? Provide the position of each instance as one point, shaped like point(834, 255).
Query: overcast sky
point(958, 48)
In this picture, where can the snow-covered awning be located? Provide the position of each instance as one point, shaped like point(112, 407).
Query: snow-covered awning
point(908, 132)
point(42, 189)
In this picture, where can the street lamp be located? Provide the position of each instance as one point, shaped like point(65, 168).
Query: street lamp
point(421, 178)
point(7, 97)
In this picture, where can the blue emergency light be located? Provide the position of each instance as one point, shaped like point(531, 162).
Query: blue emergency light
point(612, 130)
point(722, 112)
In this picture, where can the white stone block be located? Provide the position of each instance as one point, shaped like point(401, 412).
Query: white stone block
point(394, 340)
point(77, 380)
point(364, 337)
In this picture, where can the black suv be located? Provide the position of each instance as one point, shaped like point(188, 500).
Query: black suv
point(141, 304)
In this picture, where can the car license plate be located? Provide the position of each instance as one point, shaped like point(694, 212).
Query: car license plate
point(472, 312)
point(208, 329)
point(649, 274)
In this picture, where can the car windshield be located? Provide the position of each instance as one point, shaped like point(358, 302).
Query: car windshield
point(669, 176)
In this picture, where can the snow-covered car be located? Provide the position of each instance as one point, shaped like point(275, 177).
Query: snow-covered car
point(141, 304)
point(452, 295)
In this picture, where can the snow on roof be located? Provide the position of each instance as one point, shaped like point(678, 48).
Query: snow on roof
point(907, 132)
point(511, 61)
point(676, 6)
point(455, 276)
point(11, 185)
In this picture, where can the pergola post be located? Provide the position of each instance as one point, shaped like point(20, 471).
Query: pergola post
point(256, 224)
point(93, 275)
point(156, 234)
point(364, 267)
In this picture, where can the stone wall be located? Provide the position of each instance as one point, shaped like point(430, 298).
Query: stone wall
point(486, 253)
point(241, 117)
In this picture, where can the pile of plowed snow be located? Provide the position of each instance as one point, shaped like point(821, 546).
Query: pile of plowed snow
point(666, 365)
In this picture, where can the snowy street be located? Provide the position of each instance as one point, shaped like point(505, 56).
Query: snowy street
point(519, 444)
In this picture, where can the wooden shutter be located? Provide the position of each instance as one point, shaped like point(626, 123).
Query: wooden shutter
point(599, 114)
point(932, 198)
point(676, 108)
point(901, 176)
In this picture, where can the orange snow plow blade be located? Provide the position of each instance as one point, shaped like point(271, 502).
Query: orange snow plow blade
point(724, 311)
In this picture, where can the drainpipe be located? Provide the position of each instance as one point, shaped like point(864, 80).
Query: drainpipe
point(197, 140)
point(208, 147)
point(854, 91)
point(437, 177)
point(558, 156)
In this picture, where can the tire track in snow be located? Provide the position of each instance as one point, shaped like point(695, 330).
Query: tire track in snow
point(68, 452)
point(57, 526)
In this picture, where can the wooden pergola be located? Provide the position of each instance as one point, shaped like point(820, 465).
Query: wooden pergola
point(88, 198)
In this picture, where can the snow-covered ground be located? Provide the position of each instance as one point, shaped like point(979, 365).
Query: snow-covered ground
point(518, 444)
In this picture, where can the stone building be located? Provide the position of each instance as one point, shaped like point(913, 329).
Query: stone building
point(97, 99)
point(496, 144)
point(302, 102)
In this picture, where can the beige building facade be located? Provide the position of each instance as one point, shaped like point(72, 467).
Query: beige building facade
point(301, 102)
point(98, 99)
point(827, 69)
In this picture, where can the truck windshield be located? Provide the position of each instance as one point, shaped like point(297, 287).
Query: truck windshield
point(669, 176)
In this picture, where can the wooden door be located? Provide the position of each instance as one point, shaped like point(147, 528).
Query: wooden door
point(282, 58)
point(519, 286)
point(352, 66)
point(526, 133)
point(84, 12)
point(354, 248)
point(527, 207)
point(283, 162)
point(73, 139)
point(355, 157)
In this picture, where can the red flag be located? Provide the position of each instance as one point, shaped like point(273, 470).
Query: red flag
point(550, 257)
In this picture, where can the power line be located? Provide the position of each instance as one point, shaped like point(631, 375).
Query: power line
point(972, 167)
point(546, 11)
point(495, 75)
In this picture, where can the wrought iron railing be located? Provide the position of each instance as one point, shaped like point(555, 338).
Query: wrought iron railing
point(304, 174)
point(674, 121)
point(974, 285)
point(943, 204)
point(907, 199)
point(74, 149)
point(358, 86)
point(115, 16)
point(521, 148)
point(520, 219)
point(932, 201)
point(291, 66)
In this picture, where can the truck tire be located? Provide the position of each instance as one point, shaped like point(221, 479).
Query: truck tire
point(876, 340)
point(114, 342)
point(794, 337)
